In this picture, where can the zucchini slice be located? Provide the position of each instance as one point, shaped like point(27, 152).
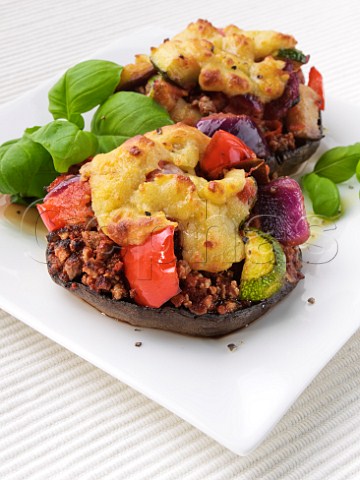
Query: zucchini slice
point(264, 268)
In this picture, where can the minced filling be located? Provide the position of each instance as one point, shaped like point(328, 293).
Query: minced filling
point(78, 255)
point(88, 256)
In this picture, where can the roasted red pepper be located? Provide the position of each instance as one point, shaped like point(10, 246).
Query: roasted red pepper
point(225, 151)
point(67, 203)
point(316, 83)
point(150, 269)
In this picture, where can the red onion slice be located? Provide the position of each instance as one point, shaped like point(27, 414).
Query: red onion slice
point(281, 210)
point(241, 126)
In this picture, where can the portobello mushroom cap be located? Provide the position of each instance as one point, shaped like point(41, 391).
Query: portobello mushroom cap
point(179, 320)
point(288, 162)
point(281, 163)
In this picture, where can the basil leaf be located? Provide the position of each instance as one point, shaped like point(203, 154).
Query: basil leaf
point(293, 54)
point(17, 198)
point(65, 142)
point(5, 187)
point(110, 142)
point(338, 164)
point(25, 168)
point(81, 88)
point(358, 171)
point(323, 193)
point(124, 115)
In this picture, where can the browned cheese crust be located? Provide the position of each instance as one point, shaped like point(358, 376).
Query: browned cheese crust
point(205, 70)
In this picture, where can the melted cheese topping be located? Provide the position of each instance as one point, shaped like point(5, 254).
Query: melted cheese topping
point(231, 60)
point(208, 214)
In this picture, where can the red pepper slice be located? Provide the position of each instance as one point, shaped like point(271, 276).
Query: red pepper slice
point(316, 83)
point(68, 203)
point(224, 151)
point(150, 269)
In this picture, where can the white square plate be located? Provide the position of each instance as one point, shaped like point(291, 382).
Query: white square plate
point(236, 396)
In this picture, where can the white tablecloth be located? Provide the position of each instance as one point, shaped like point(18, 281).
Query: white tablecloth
point(62, 418)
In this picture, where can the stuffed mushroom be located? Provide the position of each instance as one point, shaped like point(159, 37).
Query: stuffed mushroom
point(206, 70)
point(178, 231)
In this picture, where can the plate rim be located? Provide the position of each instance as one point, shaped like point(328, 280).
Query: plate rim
point(28, 319)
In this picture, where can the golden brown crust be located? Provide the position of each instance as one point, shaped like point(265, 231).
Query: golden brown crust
point(231, 60)
point(130, 201)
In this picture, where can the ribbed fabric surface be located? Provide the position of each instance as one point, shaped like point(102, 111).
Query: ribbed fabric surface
point(62, 418)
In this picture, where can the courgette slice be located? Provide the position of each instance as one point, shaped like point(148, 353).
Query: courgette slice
point(264, 268)
point(136, 74)
point(175, 63)
point(292, 54)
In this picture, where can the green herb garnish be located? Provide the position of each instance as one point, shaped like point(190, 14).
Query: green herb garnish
point(65, 142)
point(32, 162)
point(334, 166)
point(357, 171)
point(124, 115)
point(292, 54)
point(25, 168)
point(323, 194)
point(339, 163)
point(81, 88)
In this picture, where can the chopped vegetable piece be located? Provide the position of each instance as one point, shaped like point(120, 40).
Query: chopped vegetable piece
point(225, 151)
point(282, 212)
point(242, 126)
point(68, 203)
point(316, 83)
point(279, 107)
point(137, 73)
point(293, 54)
point(264, 267)
point(150, 269)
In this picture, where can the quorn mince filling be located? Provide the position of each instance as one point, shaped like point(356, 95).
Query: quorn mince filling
point(88, 256)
